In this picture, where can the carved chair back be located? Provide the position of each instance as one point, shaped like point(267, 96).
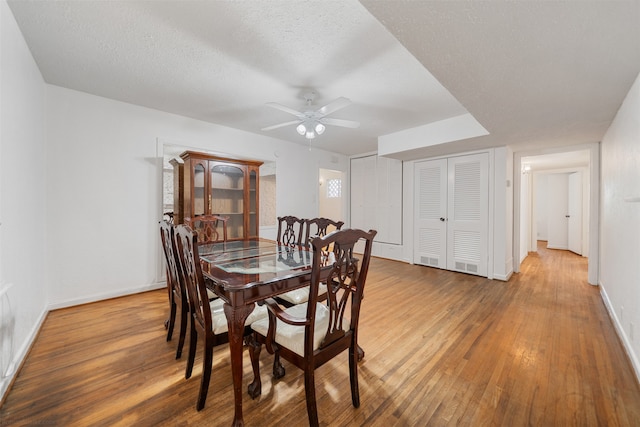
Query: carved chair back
point(319, 227)
point(208, 228)
point(290, 230)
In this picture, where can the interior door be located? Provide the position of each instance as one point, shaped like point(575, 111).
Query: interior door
point(574, 232)
point(468, 214)
point(376, 197)
point(363, 194)
point(558, 213)
point(430, 213)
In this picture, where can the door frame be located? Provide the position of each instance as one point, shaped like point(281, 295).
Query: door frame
point(575, 209)
point(594, 203)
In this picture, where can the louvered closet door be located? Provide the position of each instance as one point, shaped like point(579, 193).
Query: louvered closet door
point(430, 213)
point(468, 210)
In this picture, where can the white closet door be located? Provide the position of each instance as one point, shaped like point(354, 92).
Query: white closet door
point(430, 213)
point(389, 196)
point(357, 193)
point(468, 209)
point(363, 193)
point(558, 211)
point(376, 197)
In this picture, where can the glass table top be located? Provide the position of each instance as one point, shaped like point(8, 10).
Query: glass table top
point(263, 258)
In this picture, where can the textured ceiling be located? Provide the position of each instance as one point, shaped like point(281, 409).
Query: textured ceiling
point(533, 73)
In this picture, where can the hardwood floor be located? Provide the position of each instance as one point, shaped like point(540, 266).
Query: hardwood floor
point(442, 349)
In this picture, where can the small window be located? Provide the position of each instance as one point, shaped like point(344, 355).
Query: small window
point(334, 188)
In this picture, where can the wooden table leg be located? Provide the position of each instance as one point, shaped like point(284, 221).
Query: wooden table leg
point(236, 317)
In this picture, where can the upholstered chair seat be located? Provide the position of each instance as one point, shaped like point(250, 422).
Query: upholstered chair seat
point(219, 320)
point(291, 336)
point(299, 296)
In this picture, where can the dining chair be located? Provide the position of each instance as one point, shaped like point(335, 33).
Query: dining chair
point(309, 335)
point(175, 286)
point(207, 317)
point(207, 227)
point(290, 230)
point(316, 227)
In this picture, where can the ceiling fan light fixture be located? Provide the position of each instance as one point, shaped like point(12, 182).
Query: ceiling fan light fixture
point(311, 123)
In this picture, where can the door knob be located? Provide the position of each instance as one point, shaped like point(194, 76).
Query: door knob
point(567, 216)
point(441, 219)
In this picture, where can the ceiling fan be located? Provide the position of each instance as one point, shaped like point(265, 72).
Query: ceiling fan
point(312, 122)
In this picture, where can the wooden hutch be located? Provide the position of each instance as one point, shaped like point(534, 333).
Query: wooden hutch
point(209, 185)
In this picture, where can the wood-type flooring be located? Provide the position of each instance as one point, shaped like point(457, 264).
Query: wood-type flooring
point(442, 349)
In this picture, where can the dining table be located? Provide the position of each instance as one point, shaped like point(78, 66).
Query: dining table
point(243, 273)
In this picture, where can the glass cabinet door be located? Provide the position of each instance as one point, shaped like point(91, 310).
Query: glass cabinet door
point(253, 204)
point(227, 197)
point(198, 190)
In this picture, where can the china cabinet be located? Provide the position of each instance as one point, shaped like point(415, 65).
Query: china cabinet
point(209, 185)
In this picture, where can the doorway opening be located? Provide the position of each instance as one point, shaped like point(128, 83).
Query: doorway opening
point(331, 200)
point(557, 203)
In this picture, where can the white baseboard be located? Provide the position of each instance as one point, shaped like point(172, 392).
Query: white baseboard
point(503, 277)
point(562, 248)
point(621, 333)
point(387, 250)
point(106, 295)
point(508, 269)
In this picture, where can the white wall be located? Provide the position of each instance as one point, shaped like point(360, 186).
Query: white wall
point(104, 188)
point(23, 207)
point(525, 215)
point(501, 222)
point(620, 222)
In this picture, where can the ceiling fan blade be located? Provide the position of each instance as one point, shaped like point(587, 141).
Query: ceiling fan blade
point(333, 106)
point(340, 122)
point(281, 125)
point(285, 109)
